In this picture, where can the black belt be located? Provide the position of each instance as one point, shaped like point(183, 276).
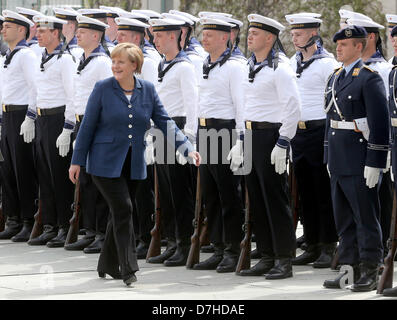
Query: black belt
point(79, 117)
point(210, 122)
point(14, 107)
point(252, 125)
point(50, 111)
point(179, 120)
point(303, 125)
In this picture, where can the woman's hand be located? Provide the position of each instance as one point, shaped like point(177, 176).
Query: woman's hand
point(196, 157)
point(74, 173)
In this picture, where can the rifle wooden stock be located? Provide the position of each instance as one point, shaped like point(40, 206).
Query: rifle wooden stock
point(73, 231)
point(37, 229)
point(244, 261)
point(155, 242)
point(204, 238)
point(335, 259)
point(386, 280)
point(194, 252)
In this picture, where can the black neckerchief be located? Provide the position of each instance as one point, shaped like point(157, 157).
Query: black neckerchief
point(99, 51)
point(394, 61)
point(181, 56)
point(9, 55)
point(252, 62)
point(208, 66)
point(300, 67)
point(47, 57)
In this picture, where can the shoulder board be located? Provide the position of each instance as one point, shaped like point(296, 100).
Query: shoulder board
point(338, 70)
point(370, 69)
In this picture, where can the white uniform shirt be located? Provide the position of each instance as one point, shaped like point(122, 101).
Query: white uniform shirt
point(153, 53)
point(273, 97)
point(383, 68)
point(97, 69)
point(149, 69)
point(179, 95)
point(37, 50)
point(197, 61)
point(19, 79)
point(55, 86)
point(221, 96)
point(311, 85)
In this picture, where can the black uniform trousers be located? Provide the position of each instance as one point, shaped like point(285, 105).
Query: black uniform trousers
point(220, 188)
point(356, 212)
point(179, 178)
point(56, 190)
point(269, 199)
point(19, 181)
point(313, 184)
point(386, 205)
point(118, 253)
point(94, 208)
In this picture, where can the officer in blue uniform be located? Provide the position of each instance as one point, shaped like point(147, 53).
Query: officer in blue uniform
point(356, 146)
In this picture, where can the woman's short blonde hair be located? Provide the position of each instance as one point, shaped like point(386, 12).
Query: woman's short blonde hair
point(134, 54)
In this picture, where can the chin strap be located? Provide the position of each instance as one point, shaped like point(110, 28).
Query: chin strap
point(312, 41)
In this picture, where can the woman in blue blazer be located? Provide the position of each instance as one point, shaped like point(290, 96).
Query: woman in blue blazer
point(110, 144)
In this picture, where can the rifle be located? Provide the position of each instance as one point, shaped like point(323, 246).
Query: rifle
point(155, 243)
point(386, 280)
point(294, 200)
point(73, 231)
point(194, 252)
point(204, 239)
point(2, 218)
point(244, 261)
point(37, 229)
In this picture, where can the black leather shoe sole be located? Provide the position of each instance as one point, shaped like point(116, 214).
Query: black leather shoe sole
point(356, 288)
point(55, 244)
point(226, 269)
point(92, 250)
point(130, 280)
point(275, 276)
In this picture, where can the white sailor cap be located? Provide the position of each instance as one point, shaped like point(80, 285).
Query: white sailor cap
point(134, 15)
point(28, 13)
point(111, 12)
point(65, 14)
point(187, 22)
point(11, 16)
point(185, 14)
point(206, 14)
point(347, 14)
point(48, 22)
point(93, 13)
point(391, 20)
point(149, 13)
point(91, 23)
point(305, 14)
point(165, 24)
point(216, 24)
point(264, 23)
point(301, 21)
point(368, 24)
point(130, 24)
point(236, 23)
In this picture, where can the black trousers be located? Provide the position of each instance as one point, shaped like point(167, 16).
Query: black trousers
point(119, 252)
point(386, 206)
point(269, 199)
point(356, 212)
point(221, 191)
point(19, 181)
point(56, 190)
point(94, 208)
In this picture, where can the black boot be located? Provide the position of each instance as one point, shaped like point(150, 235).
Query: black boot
point(391, 292)
point(300, 241)
point(310, 255)
point(369, 276)
point(84, 242)
point(169, 251)
point(230, 258)
point(207, 249)
point(96, 245)
point(265, 264)
point(335, 283)
point(59, 240)
point(282, 269)
point(49, 233)
point(141, 250)
point(255, 254)
point(179, 258)
point(12, 228)
point(24, 234)
point(212, 262)
point(326, 256)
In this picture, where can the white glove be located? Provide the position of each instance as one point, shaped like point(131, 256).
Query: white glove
point(279, 159)
point(391, 174)
point(63, 142)
point(27, 130)
point(149, 150)
point(236, 154)
point(388, 162)
point(329, 173)
point(371, 175)
point(73, 144)
point(180, 158)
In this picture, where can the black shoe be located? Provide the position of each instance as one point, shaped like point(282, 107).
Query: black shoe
point(96, 245)
point(24, 234)
point(168, 252)
point(310, 255)
point(207, 249)
point(228, 264)
point(59, 240)
point(210, 264)
point(335, 283)
point(49, 233)
point(255, 254)
point(141, 250)
point(304, 246)
point(326, 256)
point(79, 245)
point(369, 276)
point(300, 241)
point(179, 258)
point(9, 232)
point(264, 265)
point(282, 269)
point(102, 274)
point(391, 292)
point(130, 279)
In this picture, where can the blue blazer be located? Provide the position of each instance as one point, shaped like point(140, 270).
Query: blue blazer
point(112, 124)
